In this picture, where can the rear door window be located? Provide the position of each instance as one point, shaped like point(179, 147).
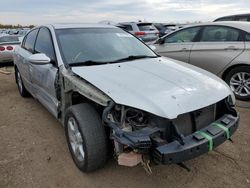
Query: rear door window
point(127, 27)
point(219, 34)
point(30, 41)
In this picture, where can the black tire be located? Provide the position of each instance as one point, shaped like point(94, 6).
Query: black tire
point(21, 88)
point(231, 73)
point(93, 136)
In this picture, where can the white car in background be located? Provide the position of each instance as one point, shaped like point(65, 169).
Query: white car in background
point(7, 46)
point(145, 31)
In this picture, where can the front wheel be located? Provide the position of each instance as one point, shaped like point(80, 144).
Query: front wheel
point(86, 137)
point(239, 81)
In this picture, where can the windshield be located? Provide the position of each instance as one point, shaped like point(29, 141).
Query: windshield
point(99, 45)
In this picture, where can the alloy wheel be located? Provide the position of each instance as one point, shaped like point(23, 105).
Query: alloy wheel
point(19, 82)
point(75, 139)
point(240, 84)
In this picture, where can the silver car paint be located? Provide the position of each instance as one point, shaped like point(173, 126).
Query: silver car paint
point(179, 51)
point(159, 86)
point(23, 66)
point(38, 79)
point(7, 55)
point(215, 57)
point(42, 78)
point(242, 59)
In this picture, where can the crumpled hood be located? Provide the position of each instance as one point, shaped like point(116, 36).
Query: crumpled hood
point(161, 86)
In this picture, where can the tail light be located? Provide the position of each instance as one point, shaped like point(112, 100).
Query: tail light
point(2, 48)
point(139, 33)
point(157, 33)
point(9, 48)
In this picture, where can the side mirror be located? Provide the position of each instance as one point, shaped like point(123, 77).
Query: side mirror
point(161, 40)
point(40, 59)
point(152, 47)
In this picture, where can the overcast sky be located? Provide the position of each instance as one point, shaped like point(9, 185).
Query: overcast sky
point(51, 11)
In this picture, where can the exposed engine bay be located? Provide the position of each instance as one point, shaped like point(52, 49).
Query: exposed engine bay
point(140, 132)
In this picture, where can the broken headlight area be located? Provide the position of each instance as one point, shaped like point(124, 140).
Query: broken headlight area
point(158, 138)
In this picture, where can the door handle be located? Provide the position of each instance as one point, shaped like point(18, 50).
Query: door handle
point(184, 49)
point(231, 48)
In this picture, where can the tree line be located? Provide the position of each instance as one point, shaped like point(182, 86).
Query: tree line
point(10, 26)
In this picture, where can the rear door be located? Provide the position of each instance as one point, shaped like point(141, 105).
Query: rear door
point(178, 44)
point(21, 58)
point(218, 46)
point(43, 77)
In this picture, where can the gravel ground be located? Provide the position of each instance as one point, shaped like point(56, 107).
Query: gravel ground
point(34, 153)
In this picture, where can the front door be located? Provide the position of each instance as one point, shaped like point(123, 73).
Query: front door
point(178, 44)
point(44, 77)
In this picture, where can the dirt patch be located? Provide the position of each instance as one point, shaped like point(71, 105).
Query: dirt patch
point(34, 153)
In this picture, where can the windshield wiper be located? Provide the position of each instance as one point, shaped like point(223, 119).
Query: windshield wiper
point(90, 62)
point(86, 63)
point(132, 57)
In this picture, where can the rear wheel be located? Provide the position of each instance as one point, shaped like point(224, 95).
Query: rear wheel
point(21, 88)
point(239, 81)
point(86, 137)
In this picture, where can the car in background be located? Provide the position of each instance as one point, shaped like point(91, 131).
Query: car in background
point(7, 46)
point(222, 48)
point(107, 87)
point(23, 32)
point(147, 32)
point(108, 22)
point(3, 31)
point(237, 17)
point(165, 28)
point(13, 32)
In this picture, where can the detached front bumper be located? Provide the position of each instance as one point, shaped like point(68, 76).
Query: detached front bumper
point(197, 143)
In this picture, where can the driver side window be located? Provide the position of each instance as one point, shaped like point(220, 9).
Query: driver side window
point(185, 35)
point(44, 44)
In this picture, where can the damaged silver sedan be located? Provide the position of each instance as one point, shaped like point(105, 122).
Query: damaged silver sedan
point(110, 90)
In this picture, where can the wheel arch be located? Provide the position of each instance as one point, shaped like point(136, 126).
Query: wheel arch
point(76, 98)
point(231, 68)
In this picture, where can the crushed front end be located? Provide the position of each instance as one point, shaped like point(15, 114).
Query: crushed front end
point(167, 141)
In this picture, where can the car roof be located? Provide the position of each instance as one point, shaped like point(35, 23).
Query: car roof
point(79, 25)
point(237, 24)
